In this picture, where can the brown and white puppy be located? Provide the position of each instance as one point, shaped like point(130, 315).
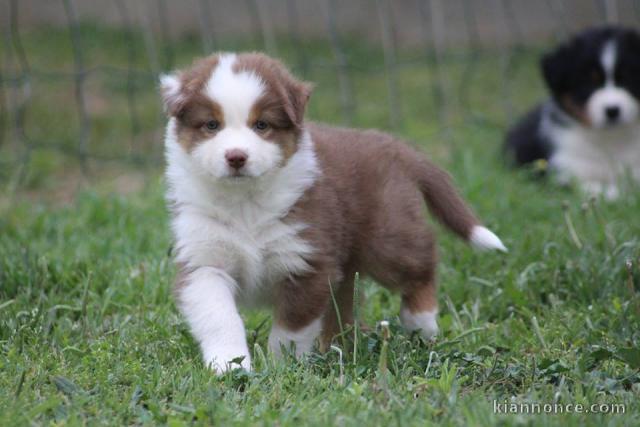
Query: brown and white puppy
point(269, 209)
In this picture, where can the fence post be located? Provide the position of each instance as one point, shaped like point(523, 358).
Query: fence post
point(347, 96)
point(391, 72)
point(206, 27)
point(79, 78)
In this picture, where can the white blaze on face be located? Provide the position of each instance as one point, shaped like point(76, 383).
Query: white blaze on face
point(236, 93)
point(611, 104)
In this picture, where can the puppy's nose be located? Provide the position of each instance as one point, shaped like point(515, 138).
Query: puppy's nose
point(236, 158)
point(612, 112)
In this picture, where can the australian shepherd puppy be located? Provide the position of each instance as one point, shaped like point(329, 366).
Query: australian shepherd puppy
point(589, 131)
point(268, 209)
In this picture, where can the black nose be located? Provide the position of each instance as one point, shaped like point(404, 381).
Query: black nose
point(612, 113)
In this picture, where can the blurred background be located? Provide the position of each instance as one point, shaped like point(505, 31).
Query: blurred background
point(78, 79)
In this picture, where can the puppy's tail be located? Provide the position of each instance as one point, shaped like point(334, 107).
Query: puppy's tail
point(450, 209)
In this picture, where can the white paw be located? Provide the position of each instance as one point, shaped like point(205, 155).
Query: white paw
point(222, 360)
point(610, 192)
point(425, 322)
point(302, 339)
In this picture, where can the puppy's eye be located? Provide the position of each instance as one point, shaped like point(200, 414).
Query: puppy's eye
point(261, 125)
point(212, 125)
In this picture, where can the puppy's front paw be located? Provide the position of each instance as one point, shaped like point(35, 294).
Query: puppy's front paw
point(610, 192)
point(424, 321)
point(222, 360)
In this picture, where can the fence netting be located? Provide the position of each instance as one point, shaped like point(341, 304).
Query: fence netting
point(78, 79)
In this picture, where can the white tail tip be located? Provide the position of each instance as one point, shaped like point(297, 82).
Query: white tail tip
point(484, 239)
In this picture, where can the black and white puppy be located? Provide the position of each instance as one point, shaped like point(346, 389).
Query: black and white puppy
point(589, 131)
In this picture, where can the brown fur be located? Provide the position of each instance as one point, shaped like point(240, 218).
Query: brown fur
point(191, 126)
point(193, 109)
point(574, 109)
point(280, 130)
point(192, 81)
point(282, 106)
point(282, 87)
point(365, 212)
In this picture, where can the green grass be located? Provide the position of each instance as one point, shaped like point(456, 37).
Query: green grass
point(89, 333)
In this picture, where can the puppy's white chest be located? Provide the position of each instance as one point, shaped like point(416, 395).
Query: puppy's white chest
point(240, 227)
point(597, 156)
point(257, 254)
point(270, 254)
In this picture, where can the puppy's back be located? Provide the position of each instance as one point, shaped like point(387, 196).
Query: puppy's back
point(525, 143)
point(377, 172)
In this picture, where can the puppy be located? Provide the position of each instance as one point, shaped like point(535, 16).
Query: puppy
point(589, 130)
point(268, 209)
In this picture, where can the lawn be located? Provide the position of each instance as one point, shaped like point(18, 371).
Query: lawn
point(89, 333)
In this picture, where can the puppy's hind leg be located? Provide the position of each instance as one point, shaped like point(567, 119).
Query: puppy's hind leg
point(408, 265)
point(405, 261)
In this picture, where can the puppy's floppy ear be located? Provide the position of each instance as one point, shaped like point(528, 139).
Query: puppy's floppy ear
point(632, 41)
point(556, 69)
point(172, 94)
point(298, 93)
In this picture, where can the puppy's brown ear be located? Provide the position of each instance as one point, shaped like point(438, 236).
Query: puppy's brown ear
point(173, 98)
point(298, 93)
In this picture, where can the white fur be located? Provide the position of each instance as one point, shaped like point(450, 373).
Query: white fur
point(230, 230)
point(600, 155)
point(236, 226)
point(484, 239)
point(608, 58)
point(207, 300)
point(302, 339)
point(170, 87)
point(424, 321)
point(597, 158)
point(236, 93)
point(611, 95)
